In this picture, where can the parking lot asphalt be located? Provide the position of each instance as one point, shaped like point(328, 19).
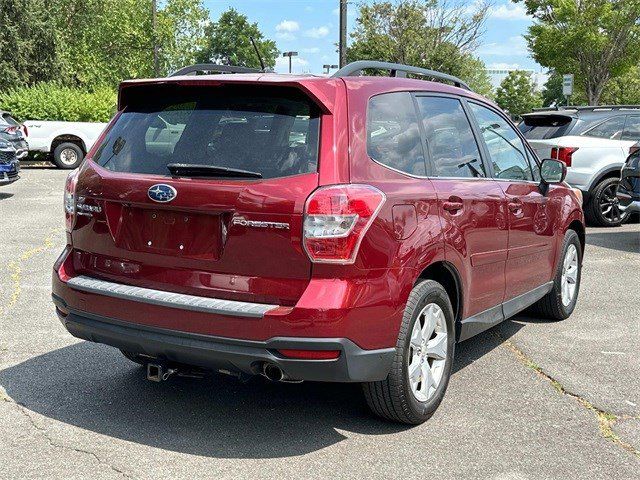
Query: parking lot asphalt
point(529, 399)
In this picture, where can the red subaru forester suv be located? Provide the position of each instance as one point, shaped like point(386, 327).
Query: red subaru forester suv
point(343, 229)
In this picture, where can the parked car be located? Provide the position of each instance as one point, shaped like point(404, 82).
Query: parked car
point(66, 143)
point(629, 190)
point(13, 132)
point(313, 228)
point(594, 143)
point(9, 163)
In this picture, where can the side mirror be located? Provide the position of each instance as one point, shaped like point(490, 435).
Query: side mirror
point(552, 171)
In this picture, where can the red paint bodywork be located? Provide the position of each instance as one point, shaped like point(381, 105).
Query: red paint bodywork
point(496, 253)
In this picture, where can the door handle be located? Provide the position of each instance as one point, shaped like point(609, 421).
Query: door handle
point(515, 206)
point(452, 207)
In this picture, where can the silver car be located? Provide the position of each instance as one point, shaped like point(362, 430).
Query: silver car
point(11, 131)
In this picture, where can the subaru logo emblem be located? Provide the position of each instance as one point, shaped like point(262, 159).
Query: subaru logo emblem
point(162, 193)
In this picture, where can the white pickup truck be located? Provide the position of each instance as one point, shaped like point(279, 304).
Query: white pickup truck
point(66, 142)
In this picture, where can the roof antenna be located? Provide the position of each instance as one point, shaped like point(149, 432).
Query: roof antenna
point(255, 47)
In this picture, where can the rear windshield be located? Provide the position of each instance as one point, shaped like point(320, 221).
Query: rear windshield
point(270, 131)
point(8, 119)
point(541, 127)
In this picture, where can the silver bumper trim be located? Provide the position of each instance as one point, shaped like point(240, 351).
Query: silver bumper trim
point(169, 299)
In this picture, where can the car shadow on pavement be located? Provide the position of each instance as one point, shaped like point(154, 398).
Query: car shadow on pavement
point(93, 387)
point(5, 195)
point(624, 241)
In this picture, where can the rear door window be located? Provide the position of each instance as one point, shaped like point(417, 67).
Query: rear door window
point(632, 128)
point(452, 147)
point(393, 135)
point(611, 129)
point(506, 150)
point(270, 131)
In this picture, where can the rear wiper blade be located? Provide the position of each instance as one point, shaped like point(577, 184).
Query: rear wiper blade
point(194, 170)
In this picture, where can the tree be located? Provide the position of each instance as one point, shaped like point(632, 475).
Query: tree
point(102, 42)
point(593, 39)
point(228, 42)
point(552, 91)
point(436, 34)
point(181, 25)
point(516, 94)
point(27, 44)
point(623, 90)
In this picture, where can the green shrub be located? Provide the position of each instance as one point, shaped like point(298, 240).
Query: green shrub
point(50, 101)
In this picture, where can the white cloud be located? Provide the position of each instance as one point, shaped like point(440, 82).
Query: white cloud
point(514, 46)
point(310, 50)
point(285, 36)
point(505, 66)
point(288, 26)
point(509, 12)
point(319, 32)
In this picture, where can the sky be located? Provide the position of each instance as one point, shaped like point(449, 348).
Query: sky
point(310, 27)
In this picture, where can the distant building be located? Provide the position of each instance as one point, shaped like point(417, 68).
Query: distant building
point(497, 75)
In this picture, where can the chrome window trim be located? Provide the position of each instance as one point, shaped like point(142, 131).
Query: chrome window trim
point(169, 299)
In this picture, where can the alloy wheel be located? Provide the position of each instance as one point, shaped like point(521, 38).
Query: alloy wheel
point(427, 352)
point(610, 205)
point(569, 281)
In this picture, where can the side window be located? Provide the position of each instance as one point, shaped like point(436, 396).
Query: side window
point(452, 146)
point(393, 136)
point(632, 128)
point(506, 150)
point(611, 129)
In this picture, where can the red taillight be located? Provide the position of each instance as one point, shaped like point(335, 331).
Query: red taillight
point(336, 219)
point(70, 199)
point(564, 154)
point(310, 354)
point(25, 130)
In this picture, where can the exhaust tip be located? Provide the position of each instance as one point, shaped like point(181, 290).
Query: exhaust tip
point(272, 372)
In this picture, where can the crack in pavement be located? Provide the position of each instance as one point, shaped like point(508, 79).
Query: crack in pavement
point(15, 266)
point(605, 419)
point(4, 397)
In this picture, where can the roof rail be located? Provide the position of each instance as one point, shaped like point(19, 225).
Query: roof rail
point(607, 107)
point(578, 108)
point(212, 67)
point(396, 70)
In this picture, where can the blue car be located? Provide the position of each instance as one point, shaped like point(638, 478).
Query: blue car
point(9, 163)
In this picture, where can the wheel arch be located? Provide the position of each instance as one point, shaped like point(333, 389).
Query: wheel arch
point(67, 137)
point(578, 227)
point(609, 172)
point(446, 275)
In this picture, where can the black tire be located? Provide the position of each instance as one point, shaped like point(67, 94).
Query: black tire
point(134, 357)
point(392, 398)
point(551, 305)
point(68, 155)
point(603, 199)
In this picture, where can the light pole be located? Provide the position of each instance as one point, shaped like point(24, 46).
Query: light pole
point(290, 55)
point(328, 67)
point(343, 34)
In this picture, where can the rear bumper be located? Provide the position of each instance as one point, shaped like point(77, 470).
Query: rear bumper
point(218, 353)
